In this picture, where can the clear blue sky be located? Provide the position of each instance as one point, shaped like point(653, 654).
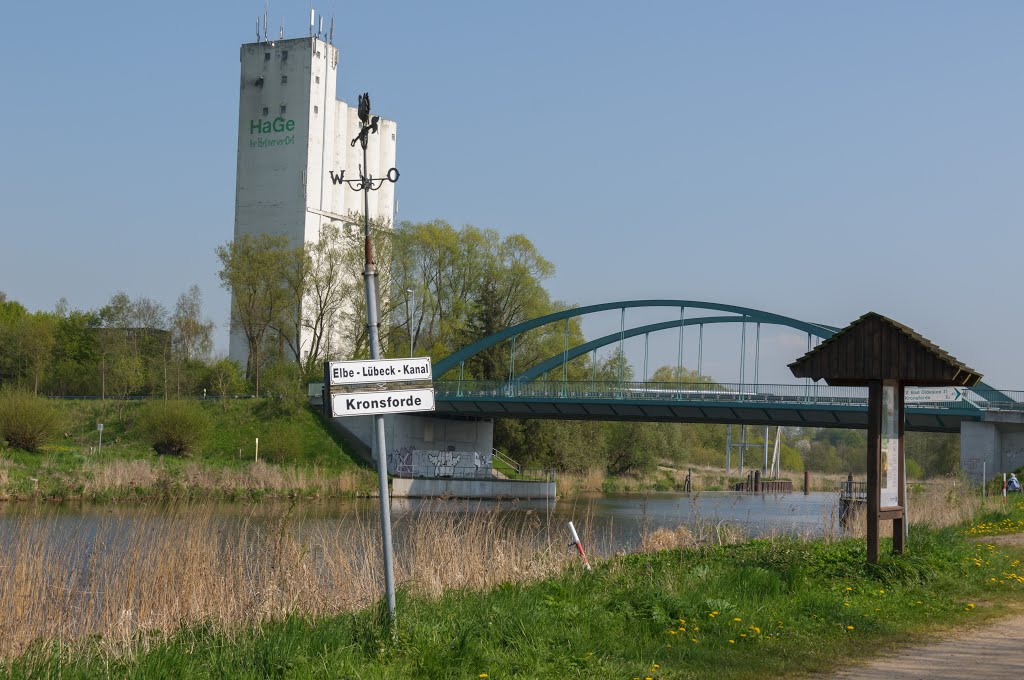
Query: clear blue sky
point(818, 160)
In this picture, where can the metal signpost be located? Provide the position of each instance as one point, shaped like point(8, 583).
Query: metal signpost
point(99, 450)
point(377, 402)
point(366, 183)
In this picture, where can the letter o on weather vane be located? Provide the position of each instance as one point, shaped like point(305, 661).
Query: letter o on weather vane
point(393, 175)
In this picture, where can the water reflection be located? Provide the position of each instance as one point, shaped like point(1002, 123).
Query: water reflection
point(618, 522)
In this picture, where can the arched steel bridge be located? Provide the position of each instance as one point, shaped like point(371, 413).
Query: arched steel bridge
point(522, 395)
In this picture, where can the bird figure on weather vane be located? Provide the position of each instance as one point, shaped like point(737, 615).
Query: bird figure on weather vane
point(369, 123)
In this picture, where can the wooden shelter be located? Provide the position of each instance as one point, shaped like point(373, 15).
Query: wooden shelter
point(885, 356)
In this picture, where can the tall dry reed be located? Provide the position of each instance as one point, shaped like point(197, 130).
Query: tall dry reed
point(124, 476)
point(128, 574)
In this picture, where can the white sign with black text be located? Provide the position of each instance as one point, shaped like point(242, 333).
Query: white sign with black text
point(378, 371)
point(375, 403)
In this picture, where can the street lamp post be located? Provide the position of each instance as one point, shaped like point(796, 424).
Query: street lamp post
point(366, 183)
point(410, 306)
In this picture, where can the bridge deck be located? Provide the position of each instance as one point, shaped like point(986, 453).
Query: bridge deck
point(788, 405)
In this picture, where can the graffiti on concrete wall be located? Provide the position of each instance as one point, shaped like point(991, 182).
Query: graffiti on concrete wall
point(408, 461)
point(401, 460)
point(444, 462)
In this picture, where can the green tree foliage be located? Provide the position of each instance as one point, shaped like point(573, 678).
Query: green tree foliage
point(75, 369)
point(469, 283)
point(191, 342)
point(839, 451)
point(282, 382)
point(259, 272)
point(224, 379)
point(27, 421)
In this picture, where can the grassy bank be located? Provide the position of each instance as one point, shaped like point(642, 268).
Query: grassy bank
point(297, 456)
point(480, 599)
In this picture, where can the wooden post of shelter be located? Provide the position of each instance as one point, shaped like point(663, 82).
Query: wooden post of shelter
point(885, 356)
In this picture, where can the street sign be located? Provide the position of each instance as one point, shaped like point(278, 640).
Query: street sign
point(99, 426)
point(379, 371)
point(931, 395)
point(387, 401)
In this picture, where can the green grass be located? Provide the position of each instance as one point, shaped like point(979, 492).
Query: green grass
point(759, 609)
point(297, 440)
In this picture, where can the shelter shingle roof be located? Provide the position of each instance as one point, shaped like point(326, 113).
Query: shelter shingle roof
point(875, 347)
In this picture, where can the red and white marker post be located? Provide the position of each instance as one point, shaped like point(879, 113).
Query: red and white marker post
point(579, 545)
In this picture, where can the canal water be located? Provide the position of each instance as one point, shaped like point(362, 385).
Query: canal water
point(612, 523)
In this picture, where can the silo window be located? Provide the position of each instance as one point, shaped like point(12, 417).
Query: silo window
point(316, 109)
point(284, 54)
point(266, 56)
point(284, 79)
point(266, 110)
point(283, 107)
point(318, 80)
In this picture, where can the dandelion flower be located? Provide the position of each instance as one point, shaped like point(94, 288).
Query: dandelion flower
point(732, 642)
point(849, 628)
point(737, 619)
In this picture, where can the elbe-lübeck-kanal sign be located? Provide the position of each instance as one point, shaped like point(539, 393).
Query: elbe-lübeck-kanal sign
point(378, 371)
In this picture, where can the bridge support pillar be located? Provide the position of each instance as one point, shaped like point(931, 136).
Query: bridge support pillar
point(995, 444)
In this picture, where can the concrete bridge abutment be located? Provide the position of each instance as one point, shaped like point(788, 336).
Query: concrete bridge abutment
point(437, 433)
point(994, 444)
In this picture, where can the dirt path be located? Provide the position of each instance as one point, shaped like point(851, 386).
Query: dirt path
point(991, 652)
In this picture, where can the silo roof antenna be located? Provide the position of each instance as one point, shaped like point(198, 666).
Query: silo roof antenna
point(257, 28)
point(312, 22)
point(320, 30)
point(330, 39)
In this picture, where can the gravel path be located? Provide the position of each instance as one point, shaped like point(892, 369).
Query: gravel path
point(991, 652)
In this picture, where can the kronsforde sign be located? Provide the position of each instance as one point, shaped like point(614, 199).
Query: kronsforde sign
point(379, 371)
point(390, 401)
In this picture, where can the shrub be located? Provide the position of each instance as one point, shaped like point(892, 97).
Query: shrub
point(26, 421)
point(281, 444)
point(174, 427)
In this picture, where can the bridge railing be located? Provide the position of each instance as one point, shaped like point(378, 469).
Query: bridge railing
point(817, 394)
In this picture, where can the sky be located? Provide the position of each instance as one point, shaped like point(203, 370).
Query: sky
point(816, 160)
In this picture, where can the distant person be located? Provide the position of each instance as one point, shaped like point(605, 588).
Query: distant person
point(1014, 484)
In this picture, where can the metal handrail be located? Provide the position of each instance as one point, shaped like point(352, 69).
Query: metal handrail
point(700, 392)
point(506, 460)
point(853, 491)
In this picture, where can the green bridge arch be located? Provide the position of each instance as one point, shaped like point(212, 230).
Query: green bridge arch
point(749, 314)
point(740, 315)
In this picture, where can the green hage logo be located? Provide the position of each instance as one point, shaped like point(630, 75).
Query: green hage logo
point(266, 127)
point(271, 127)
